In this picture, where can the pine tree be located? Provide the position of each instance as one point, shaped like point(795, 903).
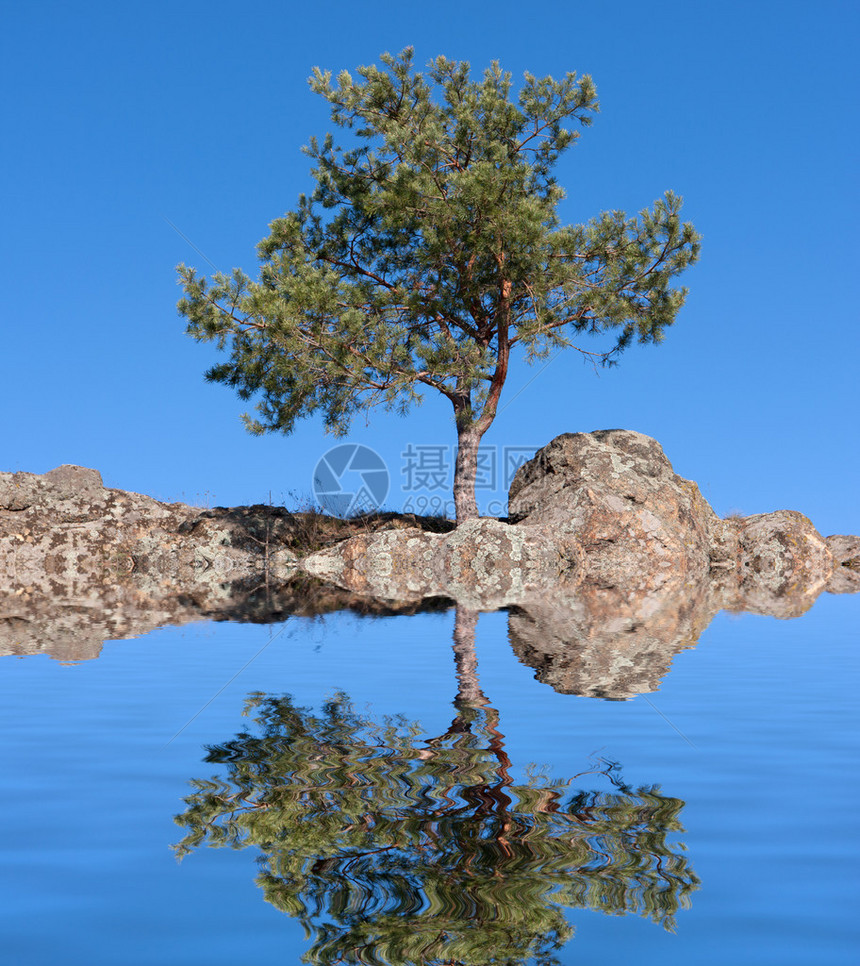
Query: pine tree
point(391, 847)
point(429, 251)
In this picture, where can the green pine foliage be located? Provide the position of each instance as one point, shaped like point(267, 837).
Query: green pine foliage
point(430, 250)
point(392, 848)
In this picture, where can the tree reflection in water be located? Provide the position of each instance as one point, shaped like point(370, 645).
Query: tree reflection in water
point(392, 848)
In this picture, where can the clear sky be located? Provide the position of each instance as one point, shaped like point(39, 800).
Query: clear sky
point(121, 118)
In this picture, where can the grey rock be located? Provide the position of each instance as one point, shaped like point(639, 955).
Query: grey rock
point(65, 484)
point(87, 553)
point(597, 510)
point(782, 553)
point(484, 563)
point(610, 564)
point(638, 523)
point(845, 551)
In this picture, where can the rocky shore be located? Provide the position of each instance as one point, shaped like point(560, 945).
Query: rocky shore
point(609, 563)
point(600, 512)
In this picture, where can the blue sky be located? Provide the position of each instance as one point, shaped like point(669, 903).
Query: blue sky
point(121, 118)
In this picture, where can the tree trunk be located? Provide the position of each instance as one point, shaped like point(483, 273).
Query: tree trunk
point(470, 697)
point(471, 429)
point(469, 693)
point(465, 473)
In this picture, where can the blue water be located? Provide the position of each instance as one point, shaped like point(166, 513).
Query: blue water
point(755, 729)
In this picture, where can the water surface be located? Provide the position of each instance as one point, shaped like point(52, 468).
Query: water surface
point(721, 806)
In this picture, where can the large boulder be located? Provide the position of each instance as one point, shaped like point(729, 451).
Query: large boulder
point(639, 524)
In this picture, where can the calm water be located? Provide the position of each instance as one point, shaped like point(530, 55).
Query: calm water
point(713, 821)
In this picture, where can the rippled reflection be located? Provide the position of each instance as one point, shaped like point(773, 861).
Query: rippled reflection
point(391, 847)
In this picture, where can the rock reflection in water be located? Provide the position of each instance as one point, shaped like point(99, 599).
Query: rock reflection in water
point(596, 641)
point(75, 629)
point(609, 642)
point(391, 847)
